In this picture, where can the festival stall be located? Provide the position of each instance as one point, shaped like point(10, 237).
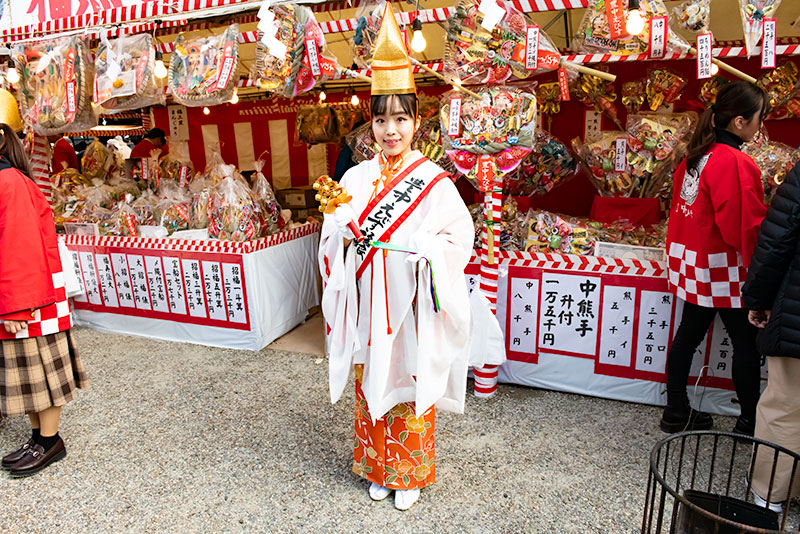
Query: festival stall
point(567, 168)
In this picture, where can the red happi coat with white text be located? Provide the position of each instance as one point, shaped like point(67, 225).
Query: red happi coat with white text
point(716, 213)
point(31, 279)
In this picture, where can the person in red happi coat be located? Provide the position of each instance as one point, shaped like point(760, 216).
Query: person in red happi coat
point(717, 209)
point(39, 367)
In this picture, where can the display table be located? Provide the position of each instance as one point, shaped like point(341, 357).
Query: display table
point(602, 327)
point(219, 293)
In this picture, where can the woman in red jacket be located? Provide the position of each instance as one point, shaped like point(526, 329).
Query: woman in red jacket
point(39, 368)
point(717, 209)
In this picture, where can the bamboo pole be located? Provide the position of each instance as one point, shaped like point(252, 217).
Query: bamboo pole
point(588, 70)
point(430, 70)
point(354, 74)
point(724, 66)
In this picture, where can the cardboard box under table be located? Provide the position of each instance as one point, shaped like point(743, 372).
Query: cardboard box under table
point(219, 293)
point(602, 327)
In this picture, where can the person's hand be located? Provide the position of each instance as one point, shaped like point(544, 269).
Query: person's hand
point(343, 216)
point(421, 244)
point(759, 318)
point(13, 327)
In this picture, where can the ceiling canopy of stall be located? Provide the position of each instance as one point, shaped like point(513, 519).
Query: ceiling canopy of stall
point(201, 17)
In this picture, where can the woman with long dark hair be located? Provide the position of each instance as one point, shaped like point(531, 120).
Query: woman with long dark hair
point(717, 209)
point(408, 343)
point(39, 367)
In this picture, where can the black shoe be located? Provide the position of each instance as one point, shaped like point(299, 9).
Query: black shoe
point(745, 425)
point(10, 459)
point(37, 459)
point(679, 420)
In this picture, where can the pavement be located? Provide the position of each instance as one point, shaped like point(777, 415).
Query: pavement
point(175, 437)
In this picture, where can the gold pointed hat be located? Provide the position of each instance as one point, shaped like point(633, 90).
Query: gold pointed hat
point(391, 69)
point(9, 110)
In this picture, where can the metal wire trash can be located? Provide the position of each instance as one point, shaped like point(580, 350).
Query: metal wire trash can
point(699, 483)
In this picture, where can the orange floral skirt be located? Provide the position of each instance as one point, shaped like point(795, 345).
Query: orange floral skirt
point(398, 451)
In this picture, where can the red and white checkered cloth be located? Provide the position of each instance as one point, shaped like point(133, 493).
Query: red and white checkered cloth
point(50, 319)
point(711, 280)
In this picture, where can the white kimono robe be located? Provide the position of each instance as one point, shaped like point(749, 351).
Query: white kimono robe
point(431, 346)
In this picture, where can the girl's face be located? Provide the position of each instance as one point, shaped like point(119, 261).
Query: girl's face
point(394, 130)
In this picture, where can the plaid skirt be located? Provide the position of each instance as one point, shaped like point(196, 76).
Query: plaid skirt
point(39, 372)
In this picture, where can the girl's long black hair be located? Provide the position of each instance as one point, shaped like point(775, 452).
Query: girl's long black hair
point(735, 99)
point(11, 148)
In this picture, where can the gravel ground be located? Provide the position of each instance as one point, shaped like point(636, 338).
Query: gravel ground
point(181, 438)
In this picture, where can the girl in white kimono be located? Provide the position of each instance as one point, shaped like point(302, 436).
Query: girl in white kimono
point(400, 318)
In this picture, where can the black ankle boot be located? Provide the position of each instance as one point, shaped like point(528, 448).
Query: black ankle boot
point(745, 425)
point(679, 416)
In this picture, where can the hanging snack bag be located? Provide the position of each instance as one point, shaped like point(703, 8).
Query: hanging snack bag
point(753, 13)
point(55, 86)
point(694, 15)
point(202, 70)
point(124, 76)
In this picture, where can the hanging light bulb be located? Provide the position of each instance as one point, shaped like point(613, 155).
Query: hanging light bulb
point(635, 23)
point(235, 97)
point(714, 69)
point(160, 71)
point(12, 76)
point(354, 99)
point(322, 96)
point(206, 111)
point(418, 42)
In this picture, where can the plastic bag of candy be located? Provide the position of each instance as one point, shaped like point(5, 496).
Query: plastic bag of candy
point(202, 70)
point(753, 13)
point(55, 86)
point(96, 160)
point(176, 166)
point(272, 221)
point(150, 170)
point(774, 159)
point(477, 54)
point(144, 208)
point(173, 210)
point(693, 15)
point(548, 232)
point(548, 165)
point(200, 190)
point(126, 221)
point(69, 180)
point(124, 73)
point(234, 213)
